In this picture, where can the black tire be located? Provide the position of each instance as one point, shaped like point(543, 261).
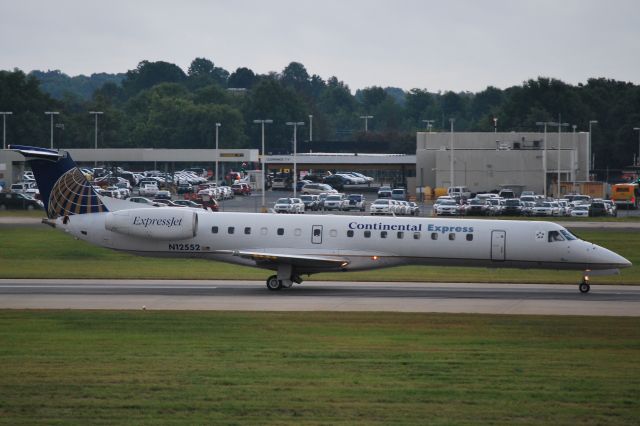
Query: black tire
point(273, 283)
point(584, 288)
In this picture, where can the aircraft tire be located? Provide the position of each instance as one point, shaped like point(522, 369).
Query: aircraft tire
point(584, 288)
point(273, 283)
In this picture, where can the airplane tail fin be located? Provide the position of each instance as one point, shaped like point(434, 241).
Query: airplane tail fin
point(63, 187)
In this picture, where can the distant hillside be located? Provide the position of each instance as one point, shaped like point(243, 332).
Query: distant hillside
point(57, 83)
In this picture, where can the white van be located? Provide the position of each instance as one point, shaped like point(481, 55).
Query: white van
point(459, 192)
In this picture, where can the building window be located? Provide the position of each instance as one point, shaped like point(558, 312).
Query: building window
point(383, 234)
point(350, 233)
point(452, 236)
point(214, 229)
point(247, 230)
point(231, 229)
point(416, 235)
point(434, 235)
point(280, 231)
point(469, 237)
point(367, 234)
point(400, 235)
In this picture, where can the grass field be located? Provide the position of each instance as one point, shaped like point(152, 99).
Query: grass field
point(29, 252)
point(75, 367)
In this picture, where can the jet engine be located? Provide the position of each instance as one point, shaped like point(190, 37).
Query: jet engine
point(154, 223)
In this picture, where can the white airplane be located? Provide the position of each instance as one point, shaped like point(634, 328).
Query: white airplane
point(297, 245)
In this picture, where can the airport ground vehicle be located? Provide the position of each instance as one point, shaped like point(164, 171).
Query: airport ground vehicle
point(625, 195)
point(14, 201)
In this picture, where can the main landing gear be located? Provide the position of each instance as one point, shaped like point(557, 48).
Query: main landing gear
point(584, 285)
point(285, 278)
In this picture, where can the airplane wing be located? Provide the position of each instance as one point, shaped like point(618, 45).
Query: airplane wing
point(300, 260)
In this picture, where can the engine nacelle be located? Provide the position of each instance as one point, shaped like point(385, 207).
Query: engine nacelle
point(154, 223)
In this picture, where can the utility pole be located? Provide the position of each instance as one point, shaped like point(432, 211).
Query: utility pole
point(295, 125)
point(262, 160)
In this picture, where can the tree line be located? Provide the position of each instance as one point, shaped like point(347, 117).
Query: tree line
point(159, 105)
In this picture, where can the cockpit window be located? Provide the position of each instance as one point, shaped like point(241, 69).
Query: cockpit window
point(568, 235)
point(555, 236)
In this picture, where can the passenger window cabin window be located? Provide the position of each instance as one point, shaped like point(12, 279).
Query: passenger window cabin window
point(434, 235)
point(350, 233)
point(231, 229)
point(297, 232)
point(214, 229)
point(367, 234)
point(452, 236)
point(400, 235)
point(263, 231)
point(416, 235)
point(280, 231)
point(469, 237)
point(555, 236)
point(383, 234)
point(247, 231)
point(333, 233)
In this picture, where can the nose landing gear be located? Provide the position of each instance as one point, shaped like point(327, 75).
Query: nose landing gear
point(584, 285)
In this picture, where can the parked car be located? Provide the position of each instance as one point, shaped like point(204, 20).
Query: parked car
point(188, 203)
point(612, 208)
point(547, 208)
point(335, 202)
point(318, 188)
point(241, 189)
point(148, 190)
point(163, 195)
point(336, 181)
point(580, 211)
point(476, 206)
point(144, 200)
point(184, 188)
point(13, 201)
point(280, 183)
point(399, 194)
point(384, 192)
point(289, 205)
point(354, 202)
point(446, 208)
point(382, 206)
point(459, 192)
point(512, 207)
point(301, 183)
point(598, 208)
point(166, 202)
point(311, 202)
point(415, 208)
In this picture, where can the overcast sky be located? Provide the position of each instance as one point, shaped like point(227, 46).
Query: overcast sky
point(460, 45)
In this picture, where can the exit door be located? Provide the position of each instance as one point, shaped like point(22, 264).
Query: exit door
point(316, 234)
point(498, 245)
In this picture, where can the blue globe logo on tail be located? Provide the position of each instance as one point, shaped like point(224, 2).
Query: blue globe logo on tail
point(63, 187)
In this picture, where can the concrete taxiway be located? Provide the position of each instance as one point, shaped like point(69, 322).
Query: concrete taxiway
point(533, 299)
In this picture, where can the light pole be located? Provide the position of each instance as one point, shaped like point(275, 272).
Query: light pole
point(366, 121)
point(4, 128)
point(429, 124)
point(495, 125)
point(638, 157)
point(560, 126)
point(217, 152)
point(573, 175)
point(51, 114)
point(262, 160)
point(451, 121)
point(310, 127)
point(295, 125)
point(95, 142)
point(544, 156)
point(589, 160)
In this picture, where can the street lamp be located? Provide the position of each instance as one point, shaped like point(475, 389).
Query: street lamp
point(560, 126)
point(310, 127)
point(429, 124)
point(95, 142)
point(544, 156)
point(4, 128)
point(573, 175)
point(366, 122)
point(217, 152)
point(589, 158)
point(638, 157)
point(495, 125)
point(51, 114)
point(262, 160)
point(451, 121)
point(295, 125)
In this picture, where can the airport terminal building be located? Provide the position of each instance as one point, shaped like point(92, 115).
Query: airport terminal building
point(488, 161)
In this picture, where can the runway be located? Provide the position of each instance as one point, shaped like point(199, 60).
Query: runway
point(531, 299)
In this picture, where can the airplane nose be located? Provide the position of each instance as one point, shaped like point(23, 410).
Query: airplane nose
point(609, 258)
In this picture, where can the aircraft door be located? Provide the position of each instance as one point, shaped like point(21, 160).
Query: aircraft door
point(316, 234)
point(498, 245)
